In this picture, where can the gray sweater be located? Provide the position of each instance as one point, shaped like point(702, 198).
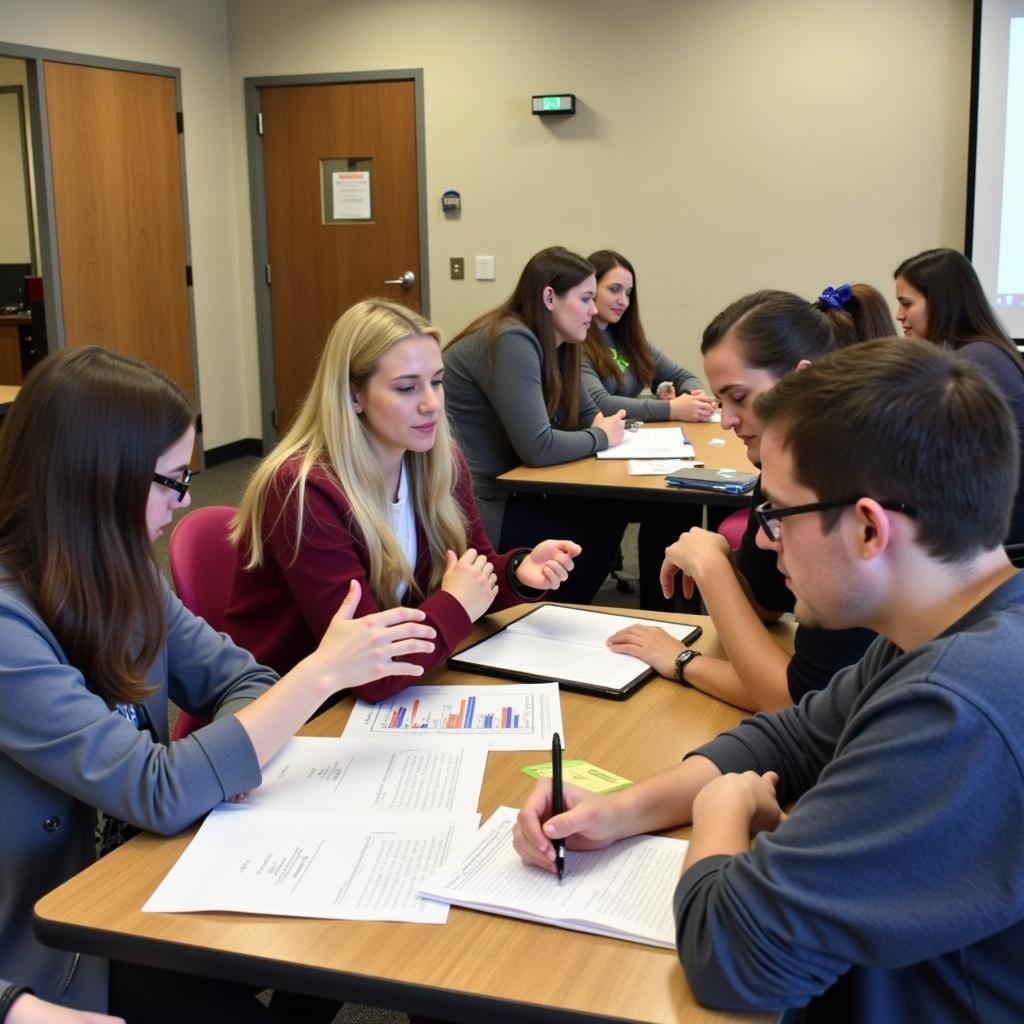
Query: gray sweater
point(610, 396)
point(499, 417)
point(901, 861)
point(64, 753)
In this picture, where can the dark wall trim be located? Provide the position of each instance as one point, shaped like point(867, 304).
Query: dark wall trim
point(972, 136)
point(235, 450)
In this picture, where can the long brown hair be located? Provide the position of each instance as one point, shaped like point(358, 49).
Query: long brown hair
point(628, 333)
point(77, 454)
point(560, 270)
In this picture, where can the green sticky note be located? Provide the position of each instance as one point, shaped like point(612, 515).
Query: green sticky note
point(582, 774)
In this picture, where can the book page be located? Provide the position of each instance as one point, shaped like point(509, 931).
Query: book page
point(518, 717)
point(582, 626)
point(624, 891)
point(360, 868)
point(332, 775)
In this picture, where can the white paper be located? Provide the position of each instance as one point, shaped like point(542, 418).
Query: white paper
point(520, 717)
point(651, 443)
point(660, 467)
point(332, 775)
point(624, 891)
point(351, 195)
point(567, 643)
point(358, 868)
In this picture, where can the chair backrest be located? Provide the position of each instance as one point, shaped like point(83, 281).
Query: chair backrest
point(1015, 552)
point(203, 569)
point(203, 561)
point(733, 526)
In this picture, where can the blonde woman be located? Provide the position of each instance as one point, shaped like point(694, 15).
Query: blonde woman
point(367, 486)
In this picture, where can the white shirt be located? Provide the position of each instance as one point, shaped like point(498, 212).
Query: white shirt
point(403, 522)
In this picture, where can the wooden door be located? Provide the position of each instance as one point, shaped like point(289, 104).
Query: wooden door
point(119, 214)
point(320, 263)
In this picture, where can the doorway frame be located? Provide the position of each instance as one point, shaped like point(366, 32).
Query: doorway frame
point(258, 211)
point(42, 158)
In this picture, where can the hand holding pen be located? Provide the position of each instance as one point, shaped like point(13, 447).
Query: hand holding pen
point(557, 801)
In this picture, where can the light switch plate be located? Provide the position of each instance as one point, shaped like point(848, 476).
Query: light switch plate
point(458, 267)
point(485, 268)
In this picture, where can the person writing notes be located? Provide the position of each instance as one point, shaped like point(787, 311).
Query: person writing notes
point(367, 488)
point(939, 297)
point(747, 349)
point(892, 891)
point(619, 362)
point(94, 458)
point(512, 379)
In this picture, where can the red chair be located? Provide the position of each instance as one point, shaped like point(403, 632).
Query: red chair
point(732, 527)
point(203, 569)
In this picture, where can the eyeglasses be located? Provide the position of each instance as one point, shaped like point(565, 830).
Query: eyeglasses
point(770, 519)
point(180, 485)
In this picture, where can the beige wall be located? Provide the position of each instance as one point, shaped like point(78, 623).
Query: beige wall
point(15, 229)
point(723, 145)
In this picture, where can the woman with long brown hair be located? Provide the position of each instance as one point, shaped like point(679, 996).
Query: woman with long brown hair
point(514, 395)
point(94, 461)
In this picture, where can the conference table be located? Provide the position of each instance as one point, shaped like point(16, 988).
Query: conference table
point(610, 478)
point(477, 966)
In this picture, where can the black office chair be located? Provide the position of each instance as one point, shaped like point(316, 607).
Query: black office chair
point(1015, 553)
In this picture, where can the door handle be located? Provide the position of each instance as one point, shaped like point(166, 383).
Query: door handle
point(407, 280)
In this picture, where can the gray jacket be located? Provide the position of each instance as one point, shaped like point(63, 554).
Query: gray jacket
point(64, 753)
point(499, 417)
point(610, 396)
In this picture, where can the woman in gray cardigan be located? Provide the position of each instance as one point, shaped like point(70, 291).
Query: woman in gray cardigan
point(513, 395)
point(94, 459)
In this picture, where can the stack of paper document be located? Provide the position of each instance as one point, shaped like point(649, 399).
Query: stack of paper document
point(624, 891)
point(651, 443)
point(339, 829)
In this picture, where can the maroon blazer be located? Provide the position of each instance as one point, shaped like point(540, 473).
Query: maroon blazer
point(281, 610)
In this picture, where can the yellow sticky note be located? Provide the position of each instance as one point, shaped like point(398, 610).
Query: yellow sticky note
point(582, 774)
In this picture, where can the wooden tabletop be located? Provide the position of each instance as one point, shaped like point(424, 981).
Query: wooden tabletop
point(8, 393)
point(477, 966)
point(609, 478)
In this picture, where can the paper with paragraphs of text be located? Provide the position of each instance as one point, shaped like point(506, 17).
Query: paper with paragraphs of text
point(327, 774)
point(651, 443)
point(623, 892)
point(507, 717)
point(294, 864)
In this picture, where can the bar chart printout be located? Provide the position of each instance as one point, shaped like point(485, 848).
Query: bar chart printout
point(519, 717)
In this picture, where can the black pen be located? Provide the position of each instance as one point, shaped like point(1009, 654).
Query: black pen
point(557, 801)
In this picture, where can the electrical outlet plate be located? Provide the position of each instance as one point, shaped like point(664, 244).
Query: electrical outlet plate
point(458, 268)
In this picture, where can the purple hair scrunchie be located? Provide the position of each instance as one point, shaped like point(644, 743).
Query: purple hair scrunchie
point(837, 298)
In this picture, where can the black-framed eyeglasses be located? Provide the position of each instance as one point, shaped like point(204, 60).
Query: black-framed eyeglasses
point(770, 519)
point(180, 486)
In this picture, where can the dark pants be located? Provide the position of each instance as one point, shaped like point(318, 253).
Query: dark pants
point(597, 526)
point(661, 523)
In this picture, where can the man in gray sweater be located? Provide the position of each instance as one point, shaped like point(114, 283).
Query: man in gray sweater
point(894, 888)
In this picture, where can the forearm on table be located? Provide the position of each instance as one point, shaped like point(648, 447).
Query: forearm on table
point(759, 662)
point(664, 800)
point(717, 678)
point(272, 719)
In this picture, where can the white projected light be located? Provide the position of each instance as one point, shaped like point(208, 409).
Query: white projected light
point(997, 230)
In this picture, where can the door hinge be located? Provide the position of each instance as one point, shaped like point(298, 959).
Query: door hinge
point(266, 272)
point(181, 121)
point(273, 418)
point(199, 423)
point(259, 122)
point(188, 276)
